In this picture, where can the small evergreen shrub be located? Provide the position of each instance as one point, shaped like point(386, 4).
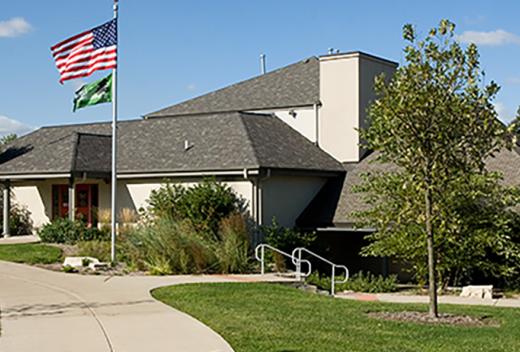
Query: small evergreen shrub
point(63, 230)
point(285, 239)
point(359, 282)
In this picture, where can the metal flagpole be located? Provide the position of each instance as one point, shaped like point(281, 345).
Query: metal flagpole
point(114, 148)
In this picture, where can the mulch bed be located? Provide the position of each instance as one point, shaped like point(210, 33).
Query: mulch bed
point(444, 318)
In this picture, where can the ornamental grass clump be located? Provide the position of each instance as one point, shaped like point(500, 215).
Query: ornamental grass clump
point(193, 230)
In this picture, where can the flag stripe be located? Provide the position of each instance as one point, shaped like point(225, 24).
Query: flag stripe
point(71, 39)
point(68, 48)
point(86, 73)
point(85, 57)
point(78, 52)
point(80, 66)
point(84, 53)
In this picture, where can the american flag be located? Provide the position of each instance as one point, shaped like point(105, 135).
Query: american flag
point(82, 54)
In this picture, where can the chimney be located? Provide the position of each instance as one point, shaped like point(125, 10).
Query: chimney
point(346, 91)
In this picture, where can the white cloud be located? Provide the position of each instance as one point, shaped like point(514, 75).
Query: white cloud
point(8, 126)
point(14, 27)
point(503, 112)
point(191, 87)
point(491, 38)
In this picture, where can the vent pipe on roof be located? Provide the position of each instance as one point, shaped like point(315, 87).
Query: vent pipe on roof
point(262, 64)
point(187, 145)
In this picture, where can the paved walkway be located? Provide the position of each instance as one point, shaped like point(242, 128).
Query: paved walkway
point(46, 311)
point(396, 298)
point(19, 239)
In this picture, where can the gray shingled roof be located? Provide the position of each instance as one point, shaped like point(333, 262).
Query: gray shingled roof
point(335, 203)
point(227, 141)
point(293, 85)
point(92, 153)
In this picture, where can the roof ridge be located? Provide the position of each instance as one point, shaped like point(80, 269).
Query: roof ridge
point(88, 124)
point(233, 85)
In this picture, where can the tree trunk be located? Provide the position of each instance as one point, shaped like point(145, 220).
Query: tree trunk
point(432, 282)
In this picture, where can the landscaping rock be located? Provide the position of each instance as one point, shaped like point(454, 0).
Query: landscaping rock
point(99, 266)
point(480, 291)
point(79, 262)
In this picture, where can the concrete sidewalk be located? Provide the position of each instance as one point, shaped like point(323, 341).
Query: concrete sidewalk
point(19, 239)
point(399, 298)
point(48, 311)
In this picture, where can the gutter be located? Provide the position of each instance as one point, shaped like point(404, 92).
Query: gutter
point(189, 174)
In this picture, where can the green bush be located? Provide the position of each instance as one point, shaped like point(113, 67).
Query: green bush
point(285, 239)
point(63, 230)
point(359, 282)
point(20, 222)
point(204, 204)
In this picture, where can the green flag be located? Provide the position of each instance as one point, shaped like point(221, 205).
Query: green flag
point(97, 92)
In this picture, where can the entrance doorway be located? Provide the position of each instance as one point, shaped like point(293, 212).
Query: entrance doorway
point(86, 202)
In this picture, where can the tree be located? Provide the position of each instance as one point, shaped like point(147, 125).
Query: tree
point(8, 138)
point(435, 121)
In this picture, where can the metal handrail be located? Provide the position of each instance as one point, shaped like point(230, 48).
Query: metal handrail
point(297, 262)
point(297, 254)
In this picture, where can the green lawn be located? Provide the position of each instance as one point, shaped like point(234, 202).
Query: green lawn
point(30, 253)
point(271, 317)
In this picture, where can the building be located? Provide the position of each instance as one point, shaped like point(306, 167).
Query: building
point(287, 142)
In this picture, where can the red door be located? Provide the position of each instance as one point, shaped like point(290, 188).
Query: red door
point(60, 201)
point(83, 203)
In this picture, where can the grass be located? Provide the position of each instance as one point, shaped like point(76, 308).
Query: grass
point(271, 317)
point(30, 253)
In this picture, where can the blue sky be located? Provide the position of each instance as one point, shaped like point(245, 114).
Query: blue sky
point(173, 50)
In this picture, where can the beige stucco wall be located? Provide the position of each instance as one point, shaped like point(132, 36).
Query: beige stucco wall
point(301, 119)
point(346, 90)
point(285, 197)
point(132, 194)
point(338, 115)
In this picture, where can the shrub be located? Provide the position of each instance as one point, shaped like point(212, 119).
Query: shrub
point(20, 222)
point(359, 282)
point(63, 230)
point(204, 204)
point(169, 246)
point(285, 239)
